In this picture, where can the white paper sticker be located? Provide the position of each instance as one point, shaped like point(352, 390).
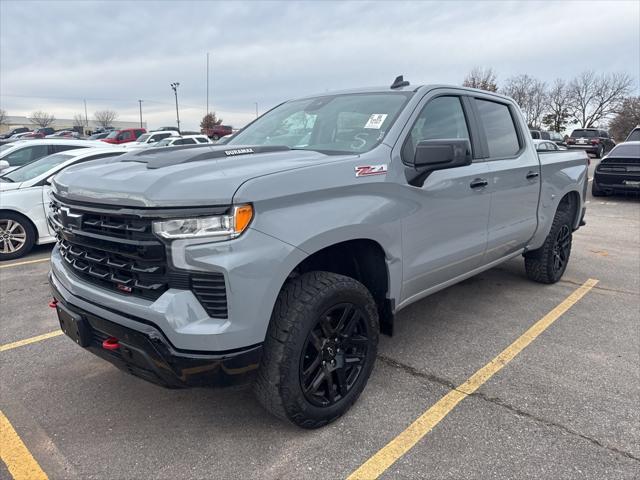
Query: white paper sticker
point(376, 120)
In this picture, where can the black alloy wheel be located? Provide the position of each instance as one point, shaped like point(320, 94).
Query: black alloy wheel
point(333, 355)
point(562, 248)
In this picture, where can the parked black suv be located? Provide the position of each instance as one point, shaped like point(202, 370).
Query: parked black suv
point(13, 132)
point(591, 140)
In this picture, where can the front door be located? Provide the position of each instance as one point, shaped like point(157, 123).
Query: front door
point(445, 235)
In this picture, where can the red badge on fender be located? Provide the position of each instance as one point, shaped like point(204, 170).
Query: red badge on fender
point(367, 170)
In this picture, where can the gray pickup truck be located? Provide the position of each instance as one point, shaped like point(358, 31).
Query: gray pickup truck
point(279, 257)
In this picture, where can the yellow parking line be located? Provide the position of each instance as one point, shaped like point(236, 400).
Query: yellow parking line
point(26, 262)
point(401, 444)
point(28, 341)
point(15, 454)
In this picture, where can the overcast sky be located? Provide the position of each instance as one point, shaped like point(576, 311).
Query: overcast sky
point(54, 54)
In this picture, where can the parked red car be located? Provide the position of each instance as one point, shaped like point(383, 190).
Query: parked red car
point(124, 136)
point(217, 131)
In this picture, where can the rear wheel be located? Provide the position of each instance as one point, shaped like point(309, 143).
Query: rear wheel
point(320, 349)
point(600, 152)
point(17, 236)
point(215, 137)
point(548, 263)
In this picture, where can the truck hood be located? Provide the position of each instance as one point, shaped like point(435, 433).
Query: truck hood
point(179, 176)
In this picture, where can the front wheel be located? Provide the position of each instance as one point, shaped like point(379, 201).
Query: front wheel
point(17, 236)
point(320, 349)
point(548, 263)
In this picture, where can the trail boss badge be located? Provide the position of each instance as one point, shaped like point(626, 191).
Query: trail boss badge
point(367, 170)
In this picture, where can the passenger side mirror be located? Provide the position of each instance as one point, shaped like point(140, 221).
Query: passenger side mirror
point(49, 180)
point(3, 165)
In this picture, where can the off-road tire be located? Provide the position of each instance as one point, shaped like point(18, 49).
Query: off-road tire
point(26, 226)
point(298, 308)
point(600, 151)
point(539, 264)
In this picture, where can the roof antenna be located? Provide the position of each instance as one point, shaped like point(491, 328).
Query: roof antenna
point(399, 82)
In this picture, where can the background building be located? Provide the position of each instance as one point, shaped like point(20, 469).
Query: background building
point(12, 122)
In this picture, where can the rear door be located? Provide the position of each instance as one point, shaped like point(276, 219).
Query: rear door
point(514, 178)
point(445, 235)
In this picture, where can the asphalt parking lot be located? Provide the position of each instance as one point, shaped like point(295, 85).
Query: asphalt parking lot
point(565, 407)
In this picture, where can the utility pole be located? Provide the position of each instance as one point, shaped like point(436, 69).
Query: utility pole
point(207, 83)
point(256, 104)
point(175, 86)
point(86, 117)
point(140, 103)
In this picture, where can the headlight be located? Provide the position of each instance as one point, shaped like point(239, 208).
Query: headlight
point(219, 227)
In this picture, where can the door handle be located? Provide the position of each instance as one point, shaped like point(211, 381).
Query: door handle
point(479, 182)
point(532, 174)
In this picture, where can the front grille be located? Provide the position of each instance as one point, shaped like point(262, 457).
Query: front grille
point(120, 253)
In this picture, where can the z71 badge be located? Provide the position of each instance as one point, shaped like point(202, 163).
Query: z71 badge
point(367, 170)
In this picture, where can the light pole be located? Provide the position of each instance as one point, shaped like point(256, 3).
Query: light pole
point(175, 86)
point(256, 104)
point(140, 103)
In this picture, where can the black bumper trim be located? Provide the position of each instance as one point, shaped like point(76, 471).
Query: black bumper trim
point(148, 355)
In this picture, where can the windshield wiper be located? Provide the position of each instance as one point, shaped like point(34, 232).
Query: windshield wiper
point(5, 179)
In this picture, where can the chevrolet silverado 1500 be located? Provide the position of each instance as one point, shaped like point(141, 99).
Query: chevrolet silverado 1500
point(280, 256)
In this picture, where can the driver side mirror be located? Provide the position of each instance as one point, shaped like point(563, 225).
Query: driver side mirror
point(49, 180)
point(4, 165)
point(432, 155)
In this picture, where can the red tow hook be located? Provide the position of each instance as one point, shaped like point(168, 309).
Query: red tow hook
point(111, 343)
point(53, 303)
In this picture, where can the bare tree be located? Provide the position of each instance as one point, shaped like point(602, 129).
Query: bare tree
point(482, 78)
point(3, 116)
point(594, 98)
point(105, 117)
point(557, 115)
point(531, 94)
point(78, 120)
point(42, 119)
point(626, 119)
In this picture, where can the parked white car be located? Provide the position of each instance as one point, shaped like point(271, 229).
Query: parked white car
point(24, 199)
point(16, 154)
point(147, 140)
point(186, 140)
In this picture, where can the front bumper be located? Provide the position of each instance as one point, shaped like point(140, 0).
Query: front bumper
point(146, 353)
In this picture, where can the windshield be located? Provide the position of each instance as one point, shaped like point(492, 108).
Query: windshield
point(349, 123)
point(627, 151)
point(634, 136)
point(113, 134)
point(164, 142)
point(143, 138)
point(37, 168)
point(584, 133)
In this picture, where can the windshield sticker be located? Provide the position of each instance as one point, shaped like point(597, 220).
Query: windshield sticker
point(376, 120)
point(368, 170)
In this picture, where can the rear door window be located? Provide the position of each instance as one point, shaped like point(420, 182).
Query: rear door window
point(26, 155)
point(63, 148)
point(188, 141)
point(499, 127)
